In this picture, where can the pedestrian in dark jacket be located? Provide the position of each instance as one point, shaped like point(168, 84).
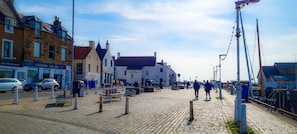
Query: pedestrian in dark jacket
point(207, 87)
point(196, 87)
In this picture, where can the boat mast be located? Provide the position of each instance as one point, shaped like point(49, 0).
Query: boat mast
point(260, 64)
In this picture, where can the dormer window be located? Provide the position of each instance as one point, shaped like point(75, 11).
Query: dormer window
point(9, 25)
point(64, 36)
point(37, 28)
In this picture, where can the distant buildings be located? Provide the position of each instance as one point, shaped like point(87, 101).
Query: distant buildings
point(143, 69)
point(32, 49)
point(280, 75)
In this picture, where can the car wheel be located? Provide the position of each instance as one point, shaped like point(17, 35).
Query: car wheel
point(39, 88)
point(13, 89)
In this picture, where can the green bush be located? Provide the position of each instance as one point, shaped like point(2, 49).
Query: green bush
point(236, 129)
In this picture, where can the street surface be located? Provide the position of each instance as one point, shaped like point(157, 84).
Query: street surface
point(165, 111)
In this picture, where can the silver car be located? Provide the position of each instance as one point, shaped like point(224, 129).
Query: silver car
point(10, 84)
point(42, 84)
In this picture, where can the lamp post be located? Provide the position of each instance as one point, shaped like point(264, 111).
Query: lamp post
point(296, 71)
point(238, 107)
point(220, 83)
point(72, 55)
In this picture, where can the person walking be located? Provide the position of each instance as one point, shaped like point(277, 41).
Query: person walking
point(196, 88)
point(207, 87)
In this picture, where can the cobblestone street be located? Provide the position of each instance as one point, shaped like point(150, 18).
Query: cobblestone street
point(165, 111)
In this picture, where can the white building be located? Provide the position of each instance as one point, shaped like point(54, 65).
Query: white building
point(143, 69)
point(107, 64)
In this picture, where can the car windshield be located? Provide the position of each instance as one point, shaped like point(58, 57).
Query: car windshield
point(36, 81)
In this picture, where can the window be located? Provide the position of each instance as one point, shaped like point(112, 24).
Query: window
point(161, 69)
point(37, 28)
point(89, 67)
point(131, 75)
point(7, 49)
point(51, 52)
point(125, 73)
point(105, 62)
point(63, 54)
point(36, 49)
point(64, 36)
point(97, 69)
point(147, 73)
point(79, 68)
point(110, 63)
point(9, 24)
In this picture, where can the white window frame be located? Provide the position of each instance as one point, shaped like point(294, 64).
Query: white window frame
point(37, 49)
point(10, 47)
point(9, 25)
point(64, 36)
point(63, 54)
point(37, 28)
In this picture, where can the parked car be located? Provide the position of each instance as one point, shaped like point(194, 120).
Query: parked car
point(10, 84)
point(42, 84)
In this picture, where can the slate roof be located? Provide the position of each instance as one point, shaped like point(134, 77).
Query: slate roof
point(101, 52)
point(136, 61)
point(81, 52)
point(7, 10)
point(285, 70)
point(270, 70)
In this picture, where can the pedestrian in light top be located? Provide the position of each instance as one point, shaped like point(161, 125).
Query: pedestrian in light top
point(207, 87)
point(196, 88)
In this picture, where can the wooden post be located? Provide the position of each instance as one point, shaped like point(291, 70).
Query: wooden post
point(191, 111)
point(100, 103)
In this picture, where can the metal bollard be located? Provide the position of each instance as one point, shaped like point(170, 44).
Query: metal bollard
point(16, 96)
point(36, 94)
point(52, 92)
point(127, 105)
point(75, 101)
point(100, 103)
point(243, 128)
point(87, 89)
point(96, 91)
point(191, 111)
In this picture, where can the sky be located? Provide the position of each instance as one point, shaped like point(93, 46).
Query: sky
point(189, 35)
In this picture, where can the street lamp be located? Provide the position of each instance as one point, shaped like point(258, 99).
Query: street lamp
point(220, 83)
point(238, 111)
point(296, 70)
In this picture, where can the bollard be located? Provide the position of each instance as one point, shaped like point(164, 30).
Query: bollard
point(75, 101)
point(100, 103)
point(16, 96)
point(243, 128)
point(87, 89)
point(127, 105)
point(191, 111)
point(96, 92)
point(52, 92)
point(36, 94)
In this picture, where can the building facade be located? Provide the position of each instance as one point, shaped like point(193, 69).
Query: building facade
point(87, 64)
point(32, 49)
point(144, 70)
point(107, 64)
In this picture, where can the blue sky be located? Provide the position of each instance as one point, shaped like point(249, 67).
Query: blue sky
point(187, 34)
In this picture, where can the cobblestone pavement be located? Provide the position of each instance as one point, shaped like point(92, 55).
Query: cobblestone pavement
point(165, 111)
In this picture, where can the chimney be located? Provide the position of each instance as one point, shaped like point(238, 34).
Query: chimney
point(57, 21)
point(12, 2)
point(107, 45)
point(92, 44)
point(155, 54)
point(119, 55)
